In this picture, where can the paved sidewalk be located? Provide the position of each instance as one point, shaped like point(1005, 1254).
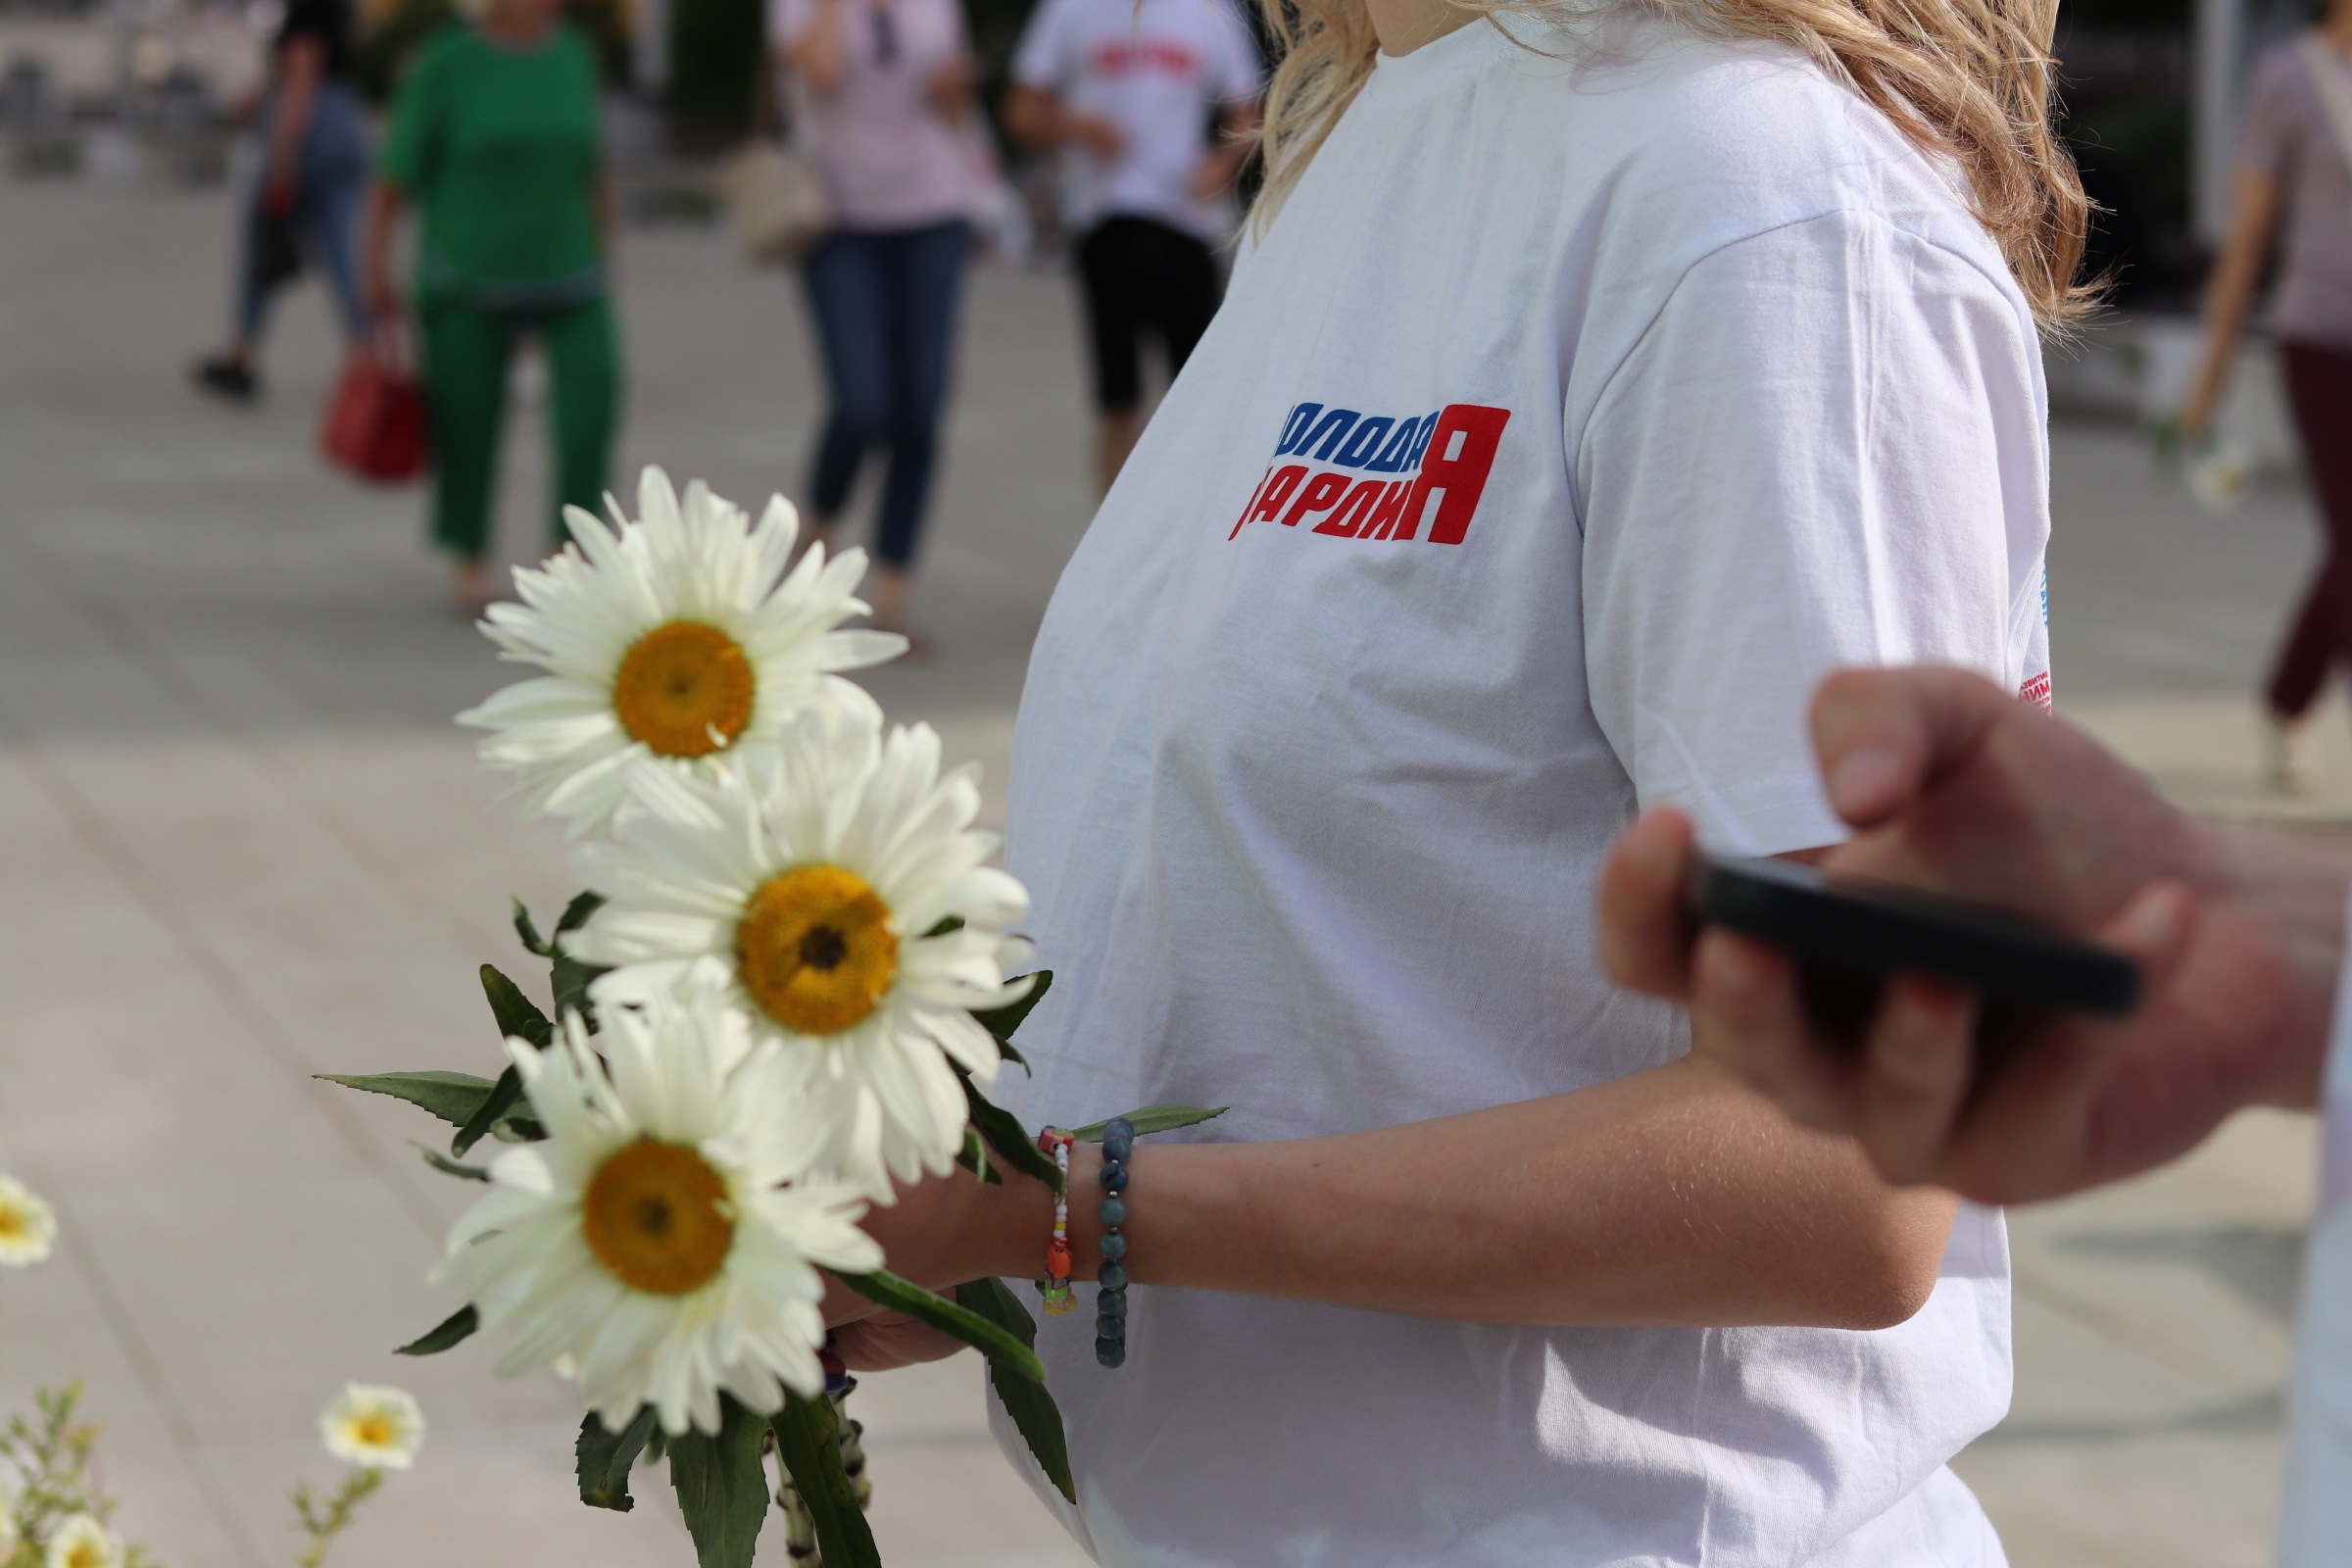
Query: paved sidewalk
point(240, 843)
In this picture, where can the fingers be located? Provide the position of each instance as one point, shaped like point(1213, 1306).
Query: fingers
point(1746, 1015)
point(1644, 935)
point(1916, 1064)
point(1886, 735)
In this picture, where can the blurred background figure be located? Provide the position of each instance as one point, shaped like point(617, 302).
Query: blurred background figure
point(495, 138)
point(882, 89)
point(1149, 104)
point(2295, 181)
point(314, 168)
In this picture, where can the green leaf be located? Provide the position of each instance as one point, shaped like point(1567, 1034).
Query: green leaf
point(604, 1458)
point(973, 1156)
point(451, 1330)
point(1154, 1119)
point(532, 942)
point(576, 914)
point(454, 1097)
point(517, 1018)
point(1034, 1413)
point(721, 1487)
point(570, 979)
point(450, 1167)
point(517, 1128)
point(1003, 1021)
point(1002, 1347)
point(503, 1097)
point(1014, 1147)
point(808, 1442)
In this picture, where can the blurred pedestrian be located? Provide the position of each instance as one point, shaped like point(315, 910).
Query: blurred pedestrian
point(882, 89)
point(494, 137)
point(1151, 104)
point(2294, 179)
point(314, 168)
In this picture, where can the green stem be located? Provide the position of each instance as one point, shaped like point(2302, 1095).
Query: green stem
point(322, 1528)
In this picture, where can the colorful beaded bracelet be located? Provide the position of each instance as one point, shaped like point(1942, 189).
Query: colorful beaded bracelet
point(1110, 1300)
point(1056, 1286)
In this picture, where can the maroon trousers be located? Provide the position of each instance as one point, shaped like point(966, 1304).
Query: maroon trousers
point(2318, 381)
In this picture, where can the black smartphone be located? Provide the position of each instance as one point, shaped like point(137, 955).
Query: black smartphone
point(1849, 934)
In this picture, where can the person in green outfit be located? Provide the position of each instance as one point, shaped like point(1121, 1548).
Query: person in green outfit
point(495, 140)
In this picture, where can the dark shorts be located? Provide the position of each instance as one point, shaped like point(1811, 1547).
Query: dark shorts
point(1142, 276)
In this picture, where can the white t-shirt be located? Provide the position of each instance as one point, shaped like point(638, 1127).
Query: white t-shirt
point(1570, 423)
point(1160, 71)
point(888, 158)
point(2314, 1526)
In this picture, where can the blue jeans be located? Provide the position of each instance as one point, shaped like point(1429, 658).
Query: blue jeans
point(330, 178)
point(885, 307)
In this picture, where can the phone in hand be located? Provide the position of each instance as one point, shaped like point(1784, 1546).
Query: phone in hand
point(1849, 935)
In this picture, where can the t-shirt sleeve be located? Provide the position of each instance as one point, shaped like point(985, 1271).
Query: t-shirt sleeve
point(1825, 450)
point(412, 136)
point(1039, 60)
point(2273, 121)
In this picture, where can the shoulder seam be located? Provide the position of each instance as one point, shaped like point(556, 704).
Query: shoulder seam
point(2000, 284)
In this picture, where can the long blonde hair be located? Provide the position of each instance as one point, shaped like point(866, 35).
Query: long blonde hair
point(1964, 80)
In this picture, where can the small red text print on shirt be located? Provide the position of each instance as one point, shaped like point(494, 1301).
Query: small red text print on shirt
point(1333, 469)
point(1121, 57)
point(2037, 689)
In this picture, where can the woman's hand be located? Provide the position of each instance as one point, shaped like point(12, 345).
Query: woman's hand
point(888, 1341)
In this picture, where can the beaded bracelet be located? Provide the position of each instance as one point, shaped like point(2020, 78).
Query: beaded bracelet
point(1056, 1286)
point(1110, 1300)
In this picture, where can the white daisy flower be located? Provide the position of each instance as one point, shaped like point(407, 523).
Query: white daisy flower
point(27, 1225)
point(82, 1541)
point(676, 637)
point(816, 884)
point(373, 1426)
point(665, 1238)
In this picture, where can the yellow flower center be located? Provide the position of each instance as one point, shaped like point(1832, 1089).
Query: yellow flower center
point(656, 1215)
point(14, 1223)
point(372, 1432)
point(816, 950)
point(83, 1553)
point(684, 689)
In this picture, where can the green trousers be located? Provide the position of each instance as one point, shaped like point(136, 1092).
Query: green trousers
point(465, 352)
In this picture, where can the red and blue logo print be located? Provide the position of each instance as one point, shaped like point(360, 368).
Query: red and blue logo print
point(1332, 467)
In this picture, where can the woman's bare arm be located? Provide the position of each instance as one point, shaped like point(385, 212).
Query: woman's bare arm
point(300, 67)
point(376, 289)
point(1676, 1195)
point(2236, 274)
point(820, 57)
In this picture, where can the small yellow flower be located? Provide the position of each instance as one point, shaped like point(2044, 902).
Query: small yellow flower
point(27, 1225)
point(373, 1426)
point(82, 1542)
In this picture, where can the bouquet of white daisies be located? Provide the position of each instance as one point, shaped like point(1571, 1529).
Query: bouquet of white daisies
point(790, 986)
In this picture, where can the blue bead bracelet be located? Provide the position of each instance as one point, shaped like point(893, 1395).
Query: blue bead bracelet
point(1110, 1299)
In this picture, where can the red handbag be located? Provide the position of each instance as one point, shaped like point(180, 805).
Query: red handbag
point(374, 427)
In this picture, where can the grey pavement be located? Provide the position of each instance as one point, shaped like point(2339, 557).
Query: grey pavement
point(240, 843)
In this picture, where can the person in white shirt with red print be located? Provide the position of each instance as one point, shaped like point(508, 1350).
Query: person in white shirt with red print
point(1149, 104)
point(1592, 384)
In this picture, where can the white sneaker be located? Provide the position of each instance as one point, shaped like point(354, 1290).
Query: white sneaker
point(2292, 769)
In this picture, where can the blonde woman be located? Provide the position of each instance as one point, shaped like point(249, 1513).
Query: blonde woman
point(1595, 382)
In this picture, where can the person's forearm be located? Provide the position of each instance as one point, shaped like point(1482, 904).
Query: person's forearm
point(2229, 297)
point(376, 241)
point(1669, 1197)
point(298, 89)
